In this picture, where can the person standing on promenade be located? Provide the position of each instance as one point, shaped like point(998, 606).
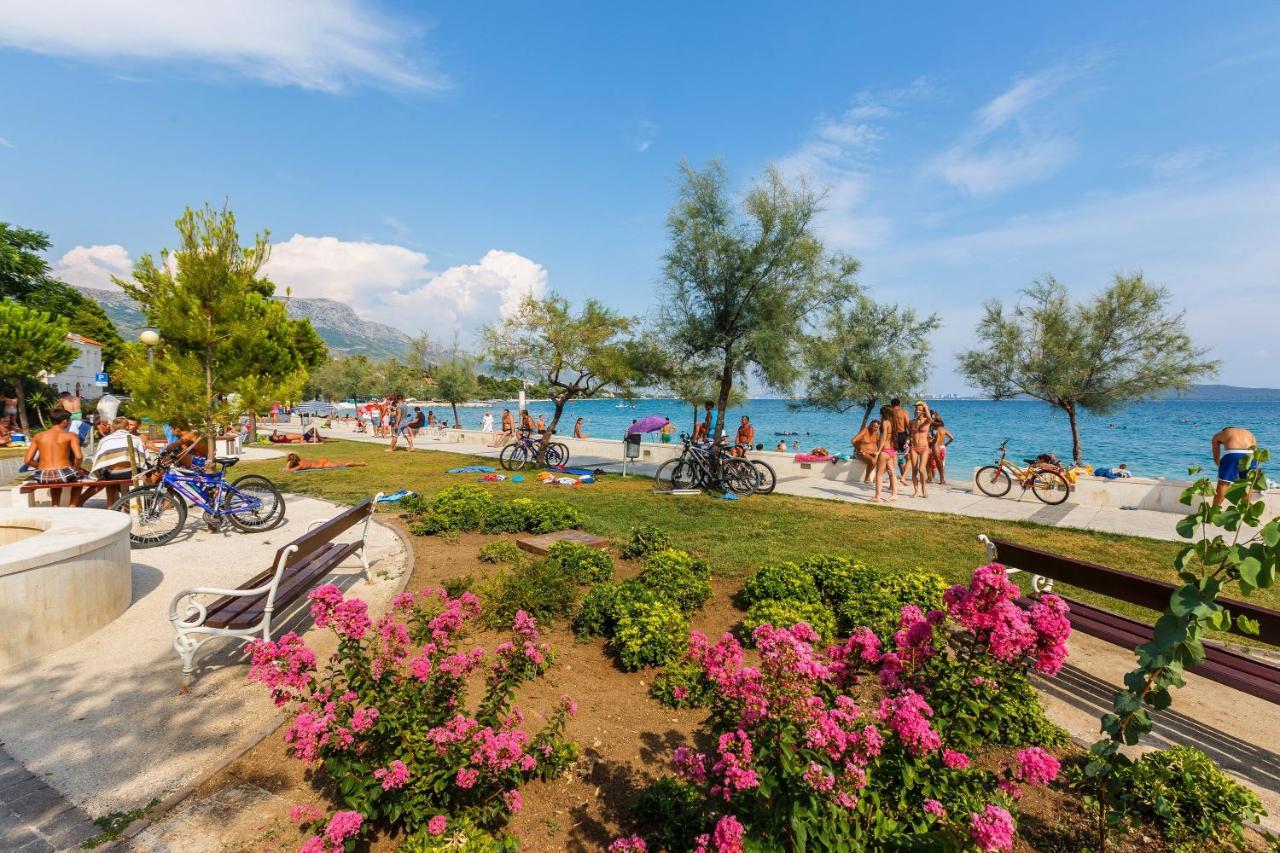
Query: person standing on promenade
point(1233, 454)
point(941, 438)
point(56, 455)
point(921, 426)
point(866, 447)
point(746, 437)
point(886, 455)
point(407, 427)
point(702, 431)
point(901, 436)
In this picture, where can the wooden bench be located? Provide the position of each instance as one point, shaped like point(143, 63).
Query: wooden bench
point(247, 610)
point(82, 490)
point(1243, 672)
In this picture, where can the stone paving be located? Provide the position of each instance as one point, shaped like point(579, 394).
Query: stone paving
point(34, 817)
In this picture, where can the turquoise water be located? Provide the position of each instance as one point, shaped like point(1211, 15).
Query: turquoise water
point(1155, 439)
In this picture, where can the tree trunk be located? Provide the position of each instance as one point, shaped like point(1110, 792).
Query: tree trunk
point(208, 403)
point(866, 413)
point(694, 428)
point(253, 427)
point(455, 412)
point(22, 409)
point(1076, 455)
point(551, 428)
point(726, 386)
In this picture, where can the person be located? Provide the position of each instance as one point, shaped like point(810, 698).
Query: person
point(577, 429)
point(1233, 454)
point(702, 431)
point(375, 417)
point(119, 454)
point(746, 437)
point(541, 426)
point(294, 462)
point(782, 446)
point(526, 421)
point(667, 432)
point(486, 423)
point(275, 414)
point(866, 447)
point(920, 427)
point(901, 436)
point(431, 417)
point(941, 438)
point(56, 455)
point(407, 428)
point(795, 447)
point(6, 434)
point(1118, 473)
point(10, 410)
point(886, 455)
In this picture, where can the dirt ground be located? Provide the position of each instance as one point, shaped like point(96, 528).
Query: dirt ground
point(625, 739)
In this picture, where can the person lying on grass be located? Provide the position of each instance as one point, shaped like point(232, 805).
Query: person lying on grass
point(294, 462)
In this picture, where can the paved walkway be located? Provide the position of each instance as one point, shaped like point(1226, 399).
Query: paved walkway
point(35, 817)
point(956, 498)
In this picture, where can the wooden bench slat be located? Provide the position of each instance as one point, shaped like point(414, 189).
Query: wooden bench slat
point(231, 610)
point(314, 540)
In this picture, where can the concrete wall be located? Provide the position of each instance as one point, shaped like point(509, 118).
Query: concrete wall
point(63, 583)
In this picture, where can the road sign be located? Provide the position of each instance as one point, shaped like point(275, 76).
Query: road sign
point(101, 379)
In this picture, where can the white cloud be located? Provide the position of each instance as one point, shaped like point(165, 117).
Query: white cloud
point(4, 143)
point(396, 286)
point(327, 45)
point(1004, 147)
point(642, 132)
point(1174, 164)
point(93, 266)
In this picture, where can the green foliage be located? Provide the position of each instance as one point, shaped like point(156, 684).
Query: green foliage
point(742, 276)
point(977, 702)
point(598, 615)
point(30, 341)
point(468, 507)
point(874, 598)
point(1191, 801)
point(645, 539)
point(1119, 347)
point(457, 585)
point(678, 577)
point(586, 565)
point(780, 581)
point(785, 613)
point(455, 382)
point(462, 507)
point(540, 588)
point(671, 814)
point(499, 551)
point(682, 684)
point(548, 516)
point(648, 633)
point(461, 835)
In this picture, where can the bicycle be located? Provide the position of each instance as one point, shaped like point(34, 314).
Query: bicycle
point(766, 477)
point(1051, 487)
point(693, 468)
point(524, 451)
point(158, 512)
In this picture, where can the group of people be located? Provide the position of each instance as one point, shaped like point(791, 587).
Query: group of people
point(57, 455)
point(898, 445)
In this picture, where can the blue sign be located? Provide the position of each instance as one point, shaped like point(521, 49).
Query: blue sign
point(101, 379)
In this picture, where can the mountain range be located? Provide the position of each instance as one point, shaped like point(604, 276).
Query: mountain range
point(336, 323)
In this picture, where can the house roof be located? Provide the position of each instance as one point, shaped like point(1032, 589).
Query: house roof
point(81, 339)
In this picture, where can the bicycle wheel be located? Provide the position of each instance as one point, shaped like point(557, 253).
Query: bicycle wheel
point(1050, 487)
point(513, 457)
point(156, 515)
point(254, 503)
point(564, 452)
point(686, 475)
point(662, 478)
point(766, 477)
point(553, 457)
point(994, 481)
point(738, 475)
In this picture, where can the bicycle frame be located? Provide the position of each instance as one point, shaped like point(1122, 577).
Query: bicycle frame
point(190, 488)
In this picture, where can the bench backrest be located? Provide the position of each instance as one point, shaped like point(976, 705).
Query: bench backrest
point(1124, 586)
point(321, 535)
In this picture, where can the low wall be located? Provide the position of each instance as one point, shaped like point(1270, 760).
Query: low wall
point(64, 573)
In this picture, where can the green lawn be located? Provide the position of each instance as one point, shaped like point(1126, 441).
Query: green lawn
point(738, 536)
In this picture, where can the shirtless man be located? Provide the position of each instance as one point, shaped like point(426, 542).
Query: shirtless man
point(56, 455)
point(702, 431)
point(866, 447)
point(900, 436)
point(1233, 454)
point(746, 437)
point(526, 420)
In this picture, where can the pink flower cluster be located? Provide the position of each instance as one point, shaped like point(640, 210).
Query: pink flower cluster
point(630, 844)
point(733, 767)
point(349, 617)
point(1037, 767)
point(726, 837)
point(907, 715)
point(437, 825)
point(992, 829)
point(986, 609)
point(286, 666)
point(342, 825)
point(393, 776)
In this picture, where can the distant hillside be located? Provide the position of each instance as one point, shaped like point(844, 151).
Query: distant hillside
point(336, 323)
point(1227, 394)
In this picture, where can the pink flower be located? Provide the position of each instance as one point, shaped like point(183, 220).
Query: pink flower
point(992, 829)
point(363, 719)
point(305, 813)
point(679, 693)
point(733, 769)
point(690, 766)
point(437, 824)
point(728, 835)
point(933, 807)
point(342, 826)
point(513, 800)
point(630, 844)
point(569, 705)
point(955, 760)
point(314, 844)
point(286, 666)
point(1037, 767)
point(908, 716)
point(466, 777)
point(817, 777)
point(393, 776)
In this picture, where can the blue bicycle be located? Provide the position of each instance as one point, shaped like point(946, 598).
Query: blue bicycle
point(158, 512)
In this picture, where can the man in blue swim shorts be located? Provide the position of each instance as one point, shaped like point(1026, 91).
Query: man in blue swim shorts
point(1233, 454)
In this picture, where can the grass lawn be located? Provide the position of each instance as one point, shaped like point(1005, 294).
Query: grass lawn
point(739, 536)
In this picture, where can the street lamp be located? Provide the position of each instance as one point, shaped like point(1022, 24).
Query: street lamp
point(149, 337)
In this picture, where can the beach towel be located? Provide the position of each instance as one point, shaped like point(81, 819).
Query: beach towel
point(471, 469)
point(581, 472)
point(809, 457)
point(395, 497)
point(330, 468)
point(728, 496)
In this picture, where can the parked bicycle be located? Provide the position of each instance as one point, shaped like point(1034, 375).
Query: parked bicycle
point(158, 512)
point(524, 451)
point(697, 468)
point(1048, 485)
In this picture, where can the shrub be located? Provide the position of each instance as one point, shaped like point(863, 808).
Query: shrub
point(648, 633)
point(540, 588)
point(457, 585)
point(682, 684)
point(462, 507)
point(671, 814)
point(644, 540)
point(499, 551)
point(873, 598)
point(780, 581)
point(784, 614)
point(459, 836)
point(977, 702)
point(548, 516)
point(1189, 799)
point(506, 516)
point(584, 564)
point(395, 685)
point(678, 577)
point(467, 507)
point(598, 615)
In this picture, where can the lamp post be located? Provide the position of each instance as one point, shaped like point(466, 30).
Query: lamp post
point(150, 338)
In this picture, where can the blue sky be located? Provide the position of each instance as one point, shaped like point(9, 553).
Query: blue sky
point(428, 164)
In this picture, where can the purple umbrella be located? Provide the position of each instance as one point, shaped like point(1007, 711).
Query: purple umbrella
point(652, 423)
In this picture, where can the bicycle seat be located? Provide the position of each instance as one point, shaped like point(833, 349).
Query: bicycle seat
point(226, 461)
point(1028, 461)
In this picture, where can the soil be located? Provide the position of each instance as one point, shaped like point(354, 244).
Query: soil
point(625, 740)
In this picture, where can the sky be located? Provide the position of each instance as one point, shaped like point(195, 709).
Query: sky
point(427, 164)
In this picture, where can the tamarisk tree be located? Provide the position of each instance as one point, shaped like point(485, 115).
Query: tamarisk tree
point(31, 342)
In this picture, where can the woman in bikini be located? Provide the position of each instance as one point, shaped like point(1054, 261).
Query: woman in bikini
point(866, 444)
point(941, 438)
point(294, 462)
point(886, 457)
point(920, 450)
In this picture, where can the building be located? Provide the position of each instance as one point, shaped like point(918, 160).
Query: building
point(78, 377)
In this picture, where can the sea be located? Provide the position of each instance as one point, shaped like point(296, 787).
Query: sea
point(1155, 439)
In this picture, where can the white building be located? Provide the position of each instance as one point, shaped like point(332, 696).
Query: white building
point(78, 377)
